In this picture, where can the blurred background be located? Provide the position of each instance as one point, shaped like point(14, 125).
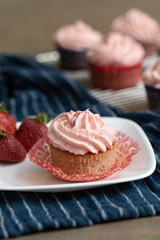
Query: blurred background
point(27, 26)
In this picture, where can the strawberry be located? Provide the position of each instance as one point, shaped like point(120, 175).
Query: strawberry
point(31, 130)
point(2, 127)
point(11, 150)
point(7, 120)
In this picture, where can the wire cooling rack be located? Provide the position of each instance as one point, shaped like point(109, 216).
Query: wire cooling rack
point(129, 99)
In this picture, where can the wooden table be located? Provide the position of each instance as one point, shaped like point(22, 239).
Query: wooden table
point(26, 26)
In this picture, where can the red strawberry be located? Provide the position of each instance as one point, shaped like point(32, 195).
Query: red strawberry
point(11, 150)
point(31, 130)
point(2, 127)
point(7, 120)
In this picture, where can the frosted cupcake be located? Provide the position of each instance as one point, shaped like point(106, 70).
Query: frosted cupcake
point(73, 41)
point(151, 78)
point(140, 26)
point(116, 63)
point(81, 147)
point(82, 143)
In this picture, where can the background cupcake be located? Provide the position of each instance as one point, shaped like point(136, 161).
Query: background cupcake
point(73, 41)
point(116, 63)
point(140, 26)
point(151, 78)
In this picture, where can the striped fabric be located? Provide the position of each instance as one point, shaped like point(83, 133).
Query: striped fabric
point(28, 87)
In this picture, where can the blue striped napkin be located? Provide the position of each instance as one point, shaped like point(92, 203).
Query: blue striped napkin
point(28, 87)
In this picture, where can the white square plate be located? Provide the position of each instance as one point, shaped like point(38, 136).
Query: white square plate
point(27, 176)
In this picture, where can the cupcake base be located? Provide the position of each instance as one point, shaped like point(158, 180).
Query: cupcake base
point(150, 48)
point(153, 97)
point(112, 77)
point(79, 164)
point(41, 155)
point(72, 59)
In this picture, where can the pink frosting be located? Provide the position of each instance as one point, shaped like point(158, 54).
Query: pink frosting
point(151, 75)
point(137, 24)
point(81, 132)
point(116, 50)
point(78, 36)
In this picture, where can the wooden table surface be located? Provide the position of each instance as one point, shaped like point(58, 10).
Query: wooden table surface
point(26, 26)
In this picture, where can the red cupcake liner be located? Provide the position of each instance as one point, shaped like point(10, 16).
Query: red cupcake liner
point(114, 68)
point(115, 77)
point(41, 155)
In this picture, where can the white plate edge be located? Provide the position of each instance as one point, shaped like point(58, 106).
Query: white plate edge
point(80, 185)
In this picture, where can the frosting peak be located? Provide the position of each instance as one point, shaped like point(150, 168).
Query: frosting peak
point(78, 36)
point(137, 24)
point(117, 50)
point(81, 132)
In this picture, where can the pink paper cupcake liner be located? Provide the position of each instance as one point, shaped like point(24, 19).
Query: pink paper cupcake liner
point(109, 77)
point(41, 155)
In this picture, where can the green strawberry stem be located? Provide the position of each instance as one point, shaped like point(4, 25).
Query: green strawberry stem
point(40, 118)
point(2, 133)
point(3, 108)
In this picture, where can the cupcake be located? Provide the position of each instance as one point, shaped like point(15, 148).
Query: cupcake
point(151, 79)
point(82, 143)
point(116, 63)
point(140, 26)
point(73, 41)
point(81, 147)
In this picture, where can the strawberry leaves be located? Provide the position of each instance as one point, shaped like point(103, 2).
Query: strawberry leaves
point(40, 118)
point(3, 108)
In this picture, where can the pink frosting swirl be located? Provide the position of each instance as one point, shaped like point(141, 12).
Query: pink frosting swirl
point(78, 36)
point(137, 24)
point(116, 50)
point(81, 132)
point(151, 76)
